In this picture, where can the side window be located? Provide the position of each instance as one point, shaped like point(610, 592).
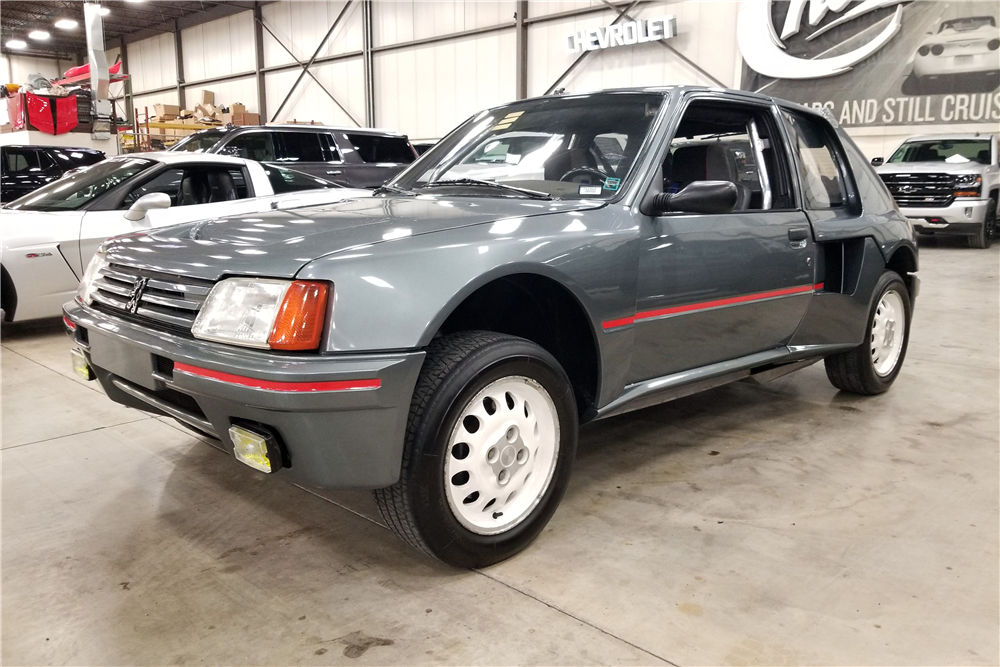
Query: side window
point(194, 185)
point(302, 147)
point(168, 182)
point(721, 141)
point(373, 148)
point(253, 146)
point(45, 160)
point(822, 182)
point(18, 160)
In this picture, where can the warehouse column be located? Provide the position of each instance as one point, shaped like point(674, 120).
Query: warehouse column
point(179, 57)
point(521, 49)
point(366, 23)
point(258, 47)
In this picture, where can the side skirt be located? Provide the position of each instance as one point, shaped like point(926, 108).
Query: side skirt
point(759, 368)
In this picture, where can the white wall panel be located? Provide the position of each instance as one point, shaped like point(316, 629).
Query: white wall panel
point(218, 48)
point(226, 92)
point(22, 66)
point(546, 7)
point(301, 25)
point(425, 91)
point(407, 20)
point(152, 63)
point(706, 35)
point(344, 79)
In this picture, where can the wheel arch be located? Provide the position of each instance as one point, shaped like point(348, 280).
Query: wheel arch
point(8, 295)
point(535, 306)
point(904, 262)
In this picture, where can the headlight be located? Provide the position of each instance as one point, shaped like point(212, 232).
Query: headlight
point(87, 288)
point(968, 185)
point(263, 313)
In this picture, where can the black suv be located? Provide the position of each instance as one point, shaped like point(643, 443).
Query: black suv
point(354, 157)
point(27, 168)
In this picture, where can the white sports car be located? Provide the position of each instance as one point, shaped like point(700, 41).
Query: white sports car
point(50, 234)
point(960, 57)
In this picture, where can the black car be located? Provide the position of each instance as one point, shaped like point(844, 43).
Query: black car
point(354, 157)
point(27, 168)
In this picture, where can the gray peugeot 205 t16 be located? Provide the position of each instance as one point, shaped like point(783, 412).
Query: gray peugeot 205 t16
point(550, 262)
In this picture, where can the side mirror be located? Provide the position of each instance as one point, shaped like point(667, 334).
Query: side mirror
point(877, 161)
point(699, 197)
point(137, 211)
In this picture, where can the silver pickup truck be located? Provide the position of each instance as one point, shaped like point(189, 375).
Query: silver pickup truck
point(947, 184)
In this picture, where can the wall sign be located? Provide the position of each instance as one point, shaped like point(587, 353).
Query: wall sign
point(876, 62)
point(622, 34)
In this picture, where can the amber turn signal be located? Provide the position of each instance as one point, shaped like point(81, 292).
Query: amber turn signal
point(299, 323)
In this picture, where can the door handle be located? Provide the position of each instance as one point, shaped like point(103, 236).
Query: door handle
point(335, 172)
point(798, 234)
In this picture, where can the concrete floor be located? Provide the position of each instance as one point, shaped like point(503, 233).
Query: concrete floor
point(784, 524)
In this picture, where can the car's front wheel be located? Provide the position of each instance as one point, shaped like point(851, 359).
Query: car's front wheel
point(986, 234)
point(490, 441)
point(872, 367)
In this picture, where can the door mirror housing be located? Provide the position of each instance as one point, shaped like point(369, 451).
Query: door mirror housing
point(137, 211)
point(877, 161)
point(699, 197)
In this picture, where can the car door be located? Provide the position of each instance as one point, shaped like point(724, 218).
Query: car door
point(715, 287)
point(313, 153)
point(197, 191)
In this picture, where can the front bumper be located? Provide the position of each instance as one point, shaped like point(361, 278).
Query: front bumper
point(339, 418)
point(963, 216)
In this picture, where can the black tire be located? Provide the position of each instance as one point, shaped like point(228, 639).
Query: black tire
point(987, 233)
point(457, 368)
point(854, 370)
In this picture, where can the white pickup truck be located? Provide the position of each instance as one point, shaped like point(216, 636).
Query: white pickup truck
point(947, 184)
point(49, 235)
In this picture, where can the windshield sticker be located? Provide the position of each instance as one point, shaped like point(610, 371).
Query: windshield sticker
point(512, 158)
point(612, 183)
point(590, 190)
point(507, 120)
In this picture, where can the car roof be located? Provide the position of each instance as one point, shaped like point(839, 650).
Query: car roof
point(169, 157)
point(950, 137)
point(56, 148)
point(300, 127)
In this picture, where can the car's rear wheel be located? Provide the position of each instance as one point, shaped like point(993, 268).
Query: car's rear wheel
point(872, 367)
point(983, 238)
point(490, 441)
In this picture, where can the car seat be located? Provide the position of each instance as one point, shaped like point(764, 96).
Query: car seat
point(222, 187)
point(707, 162)
point(194, 190)
point(566, 161)
point(983, 156)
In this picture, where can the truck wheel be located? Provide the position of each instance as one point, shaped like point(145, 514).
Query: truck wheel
point(984, 237)
point(871, 367)
point(490, 441)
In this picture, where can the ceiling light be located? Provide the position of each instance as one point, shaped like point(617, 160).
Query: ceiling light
point(38, 34)
point(104, 11)
point(66, 24)
point(16, 44)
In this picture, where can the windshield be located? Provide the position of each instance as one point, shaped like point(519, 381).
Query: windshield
point(199, 142)
point(559, 147)
point(74, 191)
point(954, 152)
point(966, 24)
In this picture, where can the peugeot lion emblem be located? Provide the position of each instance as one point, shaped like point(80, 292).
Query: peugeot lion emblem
point(136, 296)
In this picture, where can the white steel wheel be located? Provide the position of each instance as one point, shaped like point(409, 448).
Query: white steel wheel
point(501, 455)
point(887, 332)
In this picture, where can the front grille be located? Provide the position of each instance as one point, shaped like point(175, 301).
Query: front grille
point(921, 190)
point(165, 299)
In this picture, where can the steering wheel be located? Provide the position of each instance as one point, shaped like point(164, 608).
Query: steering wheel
point(583, 171)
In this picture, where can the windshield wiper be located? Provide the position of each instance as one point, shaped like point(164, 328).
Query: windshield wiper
point(385, 188)
point(534, 194)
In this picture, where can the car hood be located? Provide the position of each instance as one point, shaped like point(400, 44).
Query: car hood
point(279, 243)
point(931, 167)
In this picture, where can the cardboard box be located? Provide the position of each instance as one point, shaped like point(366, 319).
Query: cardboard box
point(237, 108)
point(245, 119)
point(207, 97)
point(167, 110)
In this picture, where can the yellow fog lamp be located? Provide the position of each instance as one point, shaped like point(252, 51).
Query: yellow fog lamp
point(258, 450)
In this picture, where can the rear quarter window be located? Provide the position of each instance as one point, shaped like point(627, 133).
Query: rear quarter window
point(822, 182)
point(373, 148)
